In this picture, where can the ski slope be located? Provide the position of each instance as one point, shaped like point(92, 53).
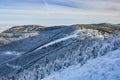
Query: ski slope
point(74, 35)
point(102, 68)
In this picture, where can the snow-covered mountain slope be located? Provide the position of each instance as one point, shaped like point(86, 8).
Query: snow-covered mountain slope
point(26, 45)
point(102, 68)
point(19, 32)
point(56, 48)
point(30, 58)
point(30, 39)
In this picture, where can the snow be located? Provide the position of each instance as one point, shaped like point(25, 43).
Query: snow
point(13, 66)
point(12, 53)
point(74, 35)
point(102, 68)
point(96, 57)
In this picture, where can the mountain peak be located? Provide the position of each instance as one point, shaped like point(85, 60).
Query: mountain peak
point(24, 28)
point(104, 24)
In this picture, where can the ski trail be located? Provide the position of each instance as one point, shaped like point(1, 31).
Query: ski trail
point(74, 35)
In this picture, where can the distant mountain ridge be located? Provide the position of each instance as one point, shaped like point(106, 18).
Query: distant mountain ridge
point(25, 28)
point(21, 32)
point(30, 28)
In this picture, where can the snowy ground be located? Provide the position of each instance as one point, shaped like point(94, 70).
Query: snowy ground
point(102, 68)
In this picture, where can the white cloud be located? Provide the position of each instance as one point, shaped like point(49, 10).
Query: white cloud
point(93, 4)
point(89, 11)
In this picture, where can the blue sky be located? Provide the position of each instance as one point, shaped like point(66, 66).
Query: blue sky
point(58, 12)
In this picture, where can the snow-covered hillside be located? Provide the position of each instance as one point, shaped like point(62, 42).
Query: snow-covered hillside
point(99, 61)
point(76, 52)
point(101, 68)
